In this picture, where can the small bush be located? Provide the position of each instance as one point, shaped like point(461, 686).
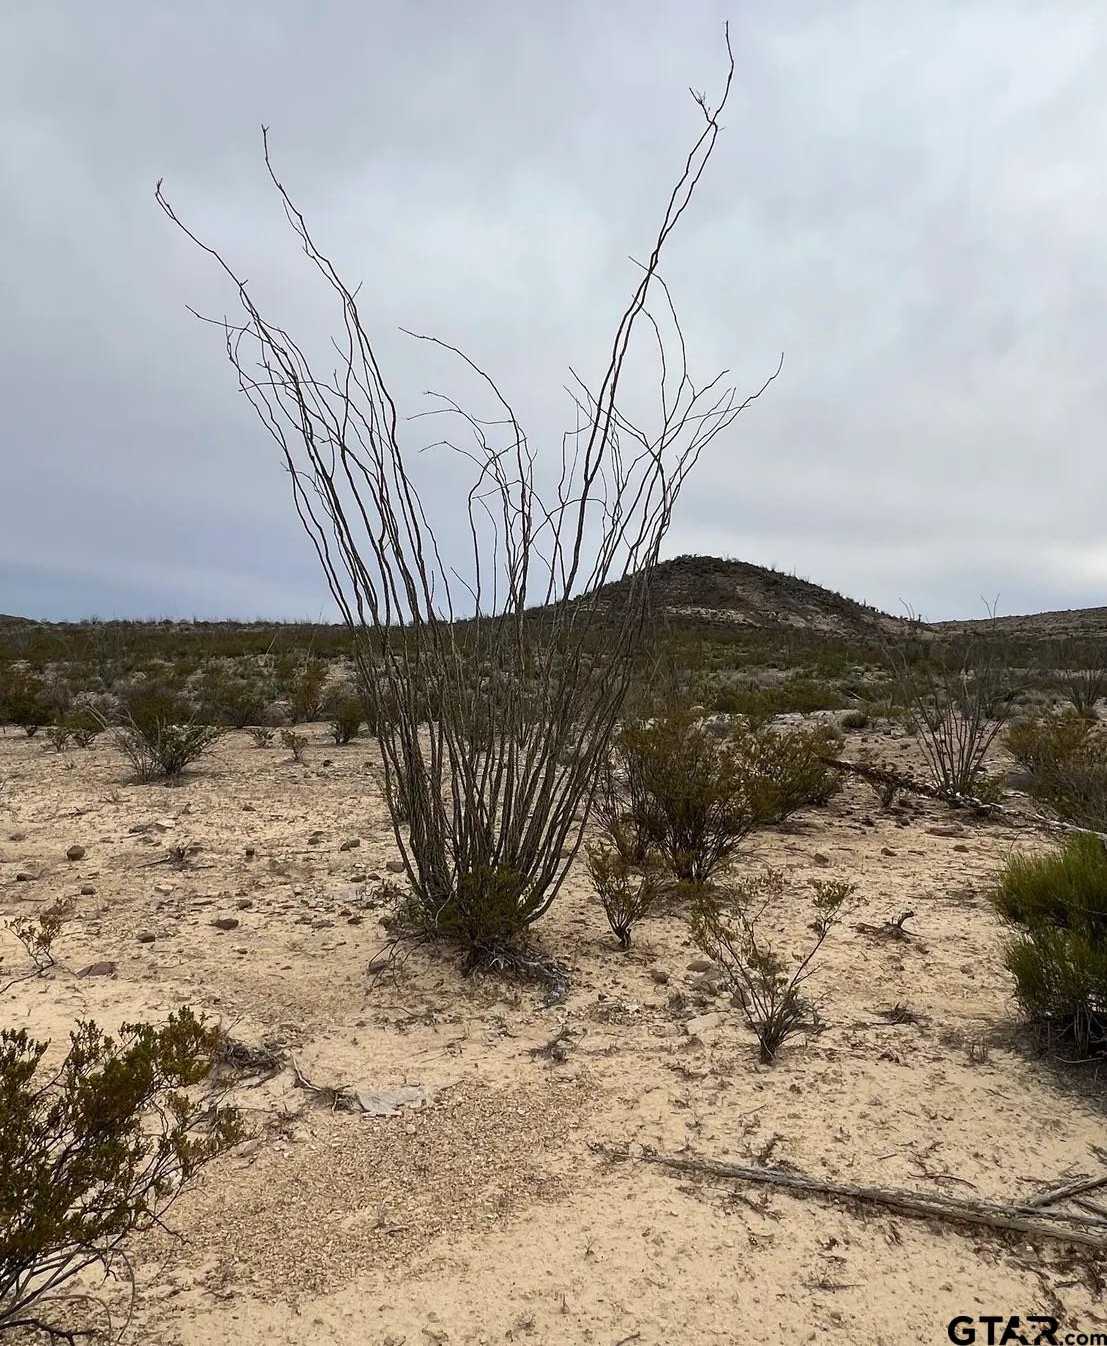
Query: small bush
point(83, 727)
point(58, 736)
point(783, 771)
point(1065, 757)
point(97, 1150)
point(37, 935)
point(1084, 682)
point(1058, 903)
point(625, 893)
point(158, 736)
point(306, 691)
point(770, 995)
point(295, 743)
point(347, 717)
point(688, 793)
point(855, 719)
point(24, 701)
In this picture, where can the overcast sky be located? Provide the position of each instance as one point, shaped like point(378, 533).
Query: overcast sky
point(908, 200)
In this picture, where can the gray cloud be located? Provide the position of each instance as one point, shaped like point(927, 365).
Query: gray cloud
point(908, 201)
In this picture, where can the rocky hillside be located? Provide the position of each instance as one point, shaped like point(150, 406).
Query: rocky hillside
point(708, 589)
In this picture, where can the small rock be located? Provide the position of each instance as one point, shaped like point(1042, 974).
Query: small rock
point(250, 852)
point(87, 890)
point(315, 838)
point(961, 847)
point(147, 937)
point(18, 836)
point(395, 866)
point(700, 965)
point(820, 859)
point(886, 850)
point(248, 808)
point(104, 969)
point(75, 853)
point(328, 761)
point(350, 845)
point(24, 876)
point(245, 903)
point(226, 923)
point(659, 976)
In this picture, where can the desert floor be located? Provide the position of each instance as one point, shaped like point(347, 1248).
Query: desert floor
point(487, 1216)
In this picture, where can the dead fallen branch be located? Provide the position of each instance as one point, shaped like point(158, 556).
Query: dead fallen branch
point(893, 929)
point(993, 1215)
point(1073, 1188)
point(878, 775)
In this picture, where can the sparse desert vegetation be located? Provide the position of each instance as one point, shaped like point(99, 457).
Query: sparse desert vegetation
point(568, 945)
point(745, 926)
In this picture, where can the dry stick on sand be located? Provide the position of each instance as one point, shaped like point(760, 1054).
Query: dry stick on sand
point(1053, 1194)
point(1049, 1224)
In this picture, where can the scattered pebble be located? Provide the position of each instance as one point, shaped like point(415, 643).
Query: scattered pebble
point(226, 923)
point(75, 853)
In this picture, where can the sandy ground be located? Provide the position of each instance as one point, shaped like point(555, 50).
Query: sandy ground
point(488, 1216)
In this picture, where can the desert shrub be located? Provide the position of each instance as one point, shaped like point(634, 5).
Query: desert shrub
point(783, 771)
point(760, 704)
point(1084, 680)
point(347, 716)
point(957, 695)
point(96, 1150)
point(261, 734)
point(1058, 905)
point(688, 793)
point(158, 735)
point(1066, 887)
point(626, 893)
point(855, 719)
point(1065, 758)
point(24, 701)
point(58, 736)
point(37, 935)
point(627, 815)
point(295, 743)
point(305, 691)
point(487, 915)
point(232, 699)
point(771, 996)
point(83, 726)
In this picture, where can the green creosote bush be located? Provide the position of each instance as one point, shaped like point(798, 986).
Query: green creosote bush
point(96, 1150)
point(158, 735)
point(784, 769)
point(305, 692)
point(1057, 905)
point(1065, 758)
point(687, 790)
point(676, 788)
point(626, 893)
point(347, 716)
point(769, 989)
